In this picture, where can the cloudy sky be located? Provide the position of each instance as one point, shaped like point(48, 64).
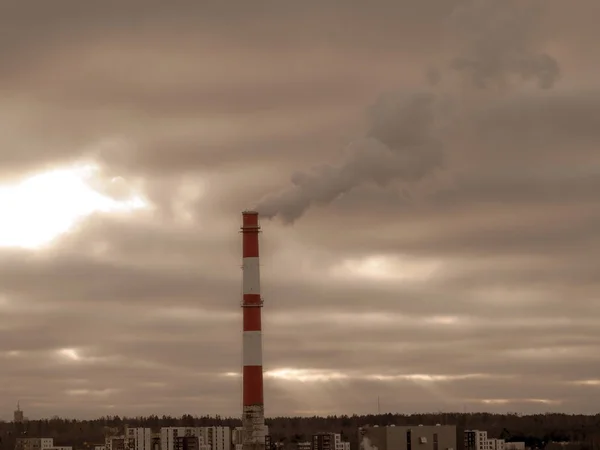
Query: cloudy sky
point(428, 174)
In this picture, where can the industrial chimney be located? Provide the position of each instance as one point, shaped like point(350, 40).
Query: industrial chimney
point(253, 416)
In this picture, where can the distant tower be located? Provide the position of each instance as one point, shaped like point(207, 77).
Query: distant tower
point(18, 414)
point(253, 417)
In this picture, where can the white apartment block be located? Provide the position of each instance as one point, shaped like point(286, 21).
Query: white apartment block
point(237, 437)
point(138, 438)
point(329, 441)
point(34, 443)
point(114, 442)
point(497, 444)
point(209, 438)
point(339, 444)
point(168, 436)
point(477, 440)
point(217, 438)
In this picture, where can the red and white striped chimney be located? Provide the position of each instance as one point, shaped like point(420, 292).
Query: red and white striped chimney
point(253, 418)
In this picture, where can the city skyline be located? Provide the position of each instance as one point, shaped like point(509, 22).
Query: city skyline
point(427, 177)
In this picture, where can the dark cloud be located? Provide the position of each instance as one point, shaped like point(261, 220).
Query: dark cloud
point(447, 257)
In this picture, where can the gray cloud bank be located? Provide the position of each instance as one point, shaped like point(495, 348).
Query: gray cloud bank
point(446, 257)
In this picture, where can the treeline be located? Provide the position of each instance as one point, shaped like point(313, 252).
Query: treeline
point(534, 430)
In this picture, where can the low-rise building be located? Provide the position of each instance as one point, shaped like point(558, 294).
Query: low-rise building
point(186, 443)
point(329, 441)
point(437, 437)
point(237, 437)
point(34, 443)
point(514, 446)
point(114, 443)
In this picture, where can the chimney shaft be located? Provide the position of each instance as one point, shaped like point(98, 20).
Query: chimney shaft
point(253, 417)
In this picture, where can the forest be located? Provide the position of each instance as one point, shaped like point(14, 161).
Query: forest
point(536, 430)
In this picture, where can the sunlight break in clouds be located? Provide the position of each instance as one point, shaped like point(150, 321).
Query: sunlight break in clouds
point(304, 375)
point(426, 378)
point(44, 206)
point(69, 353)
point(314, 375)
point(92, 392)
point(381, 267)
point(506, 401)
point(299, 375)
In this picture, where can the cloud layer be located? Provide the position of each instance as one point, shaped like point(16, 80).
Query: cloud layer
point(432, 173)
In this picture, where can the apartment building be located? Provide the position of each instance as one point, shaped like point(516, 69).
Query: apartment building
point(497, 444)
point(237, 435)
point(114, 443)
point(209, 438)
point(138, 438)
point(216, 438)
point(187, 443)
point(478, 440)
point(34, 443)
point(170, 435)
point(329, 441)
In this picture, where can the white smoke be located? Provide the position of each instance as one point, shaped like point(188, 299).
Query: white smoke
point(404, 140)
point(366, 444)
point(401, 143)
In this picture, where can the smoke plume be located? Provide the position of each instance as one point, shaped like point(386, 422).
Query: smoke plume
point(404, 142)
point(400, 144)
point(366, 444)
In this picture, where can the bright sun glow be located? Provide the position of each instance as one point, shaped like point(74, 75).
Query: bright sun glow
point(42, 207)
point(386, 268)
point(92, 392)
point(315, 375)
point(69, 353)
point(304, 375)
point(417, 377)
point(505, 401)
